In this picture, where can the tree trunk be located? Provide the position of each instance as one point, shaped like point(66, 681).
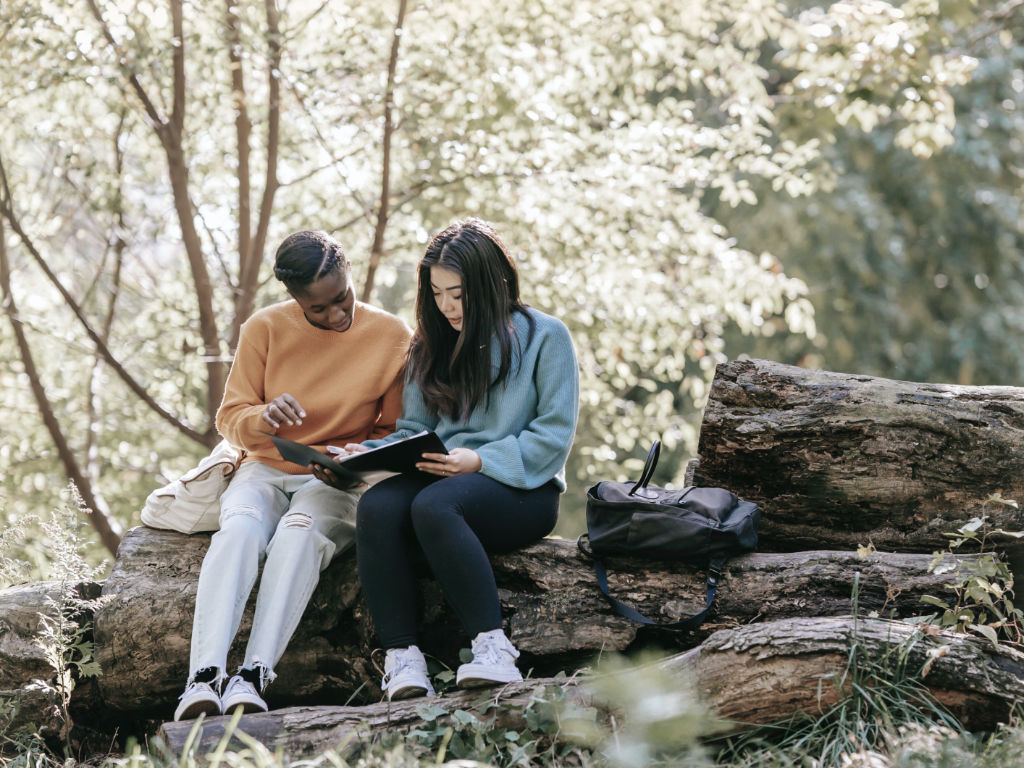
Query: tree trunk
point(555, 613)
point(836, 460)
point(753, 674)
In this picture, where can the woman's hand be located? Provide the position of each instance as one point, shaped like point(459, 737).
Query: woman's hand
point(459, 461)
point(283, 409)
point(348, 450)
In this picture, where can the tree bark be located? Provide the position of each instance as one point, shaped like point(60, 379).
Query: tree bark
point(749, 675)
point(836, 460)
point(384, 206)
point(554, 612)
point(170, 130)
point(23, 659)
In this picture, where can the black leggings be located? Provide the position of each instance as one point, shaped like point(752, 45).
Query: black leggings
point(455, 521)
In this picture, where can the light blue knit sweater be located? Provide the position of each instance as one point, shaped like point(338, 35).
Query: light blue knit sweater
point(524, 430)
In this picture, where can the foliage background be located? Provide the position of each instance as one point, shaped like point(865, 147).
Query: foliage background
point(681, 182)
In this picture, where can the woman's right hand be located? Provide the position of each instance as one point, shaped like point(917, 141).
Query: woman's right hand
point(283, 409)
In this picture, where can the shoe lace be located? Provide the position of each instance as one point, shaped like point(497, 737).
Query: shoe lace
point(237, 682)
point(494, 650)
point(194, 686)
point(403, 659)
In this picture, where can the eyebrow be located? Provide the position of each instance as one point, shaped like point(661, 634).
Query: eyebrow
point(436, 287)
point(341, 295)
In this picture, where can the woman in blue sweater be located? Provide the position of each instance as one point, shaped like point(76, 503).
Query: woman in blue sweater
point(498, 382)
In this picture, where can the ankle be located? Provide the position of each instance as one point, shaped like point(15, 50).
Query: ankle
point(257, 675)
point(494, 634)
point(206, 675)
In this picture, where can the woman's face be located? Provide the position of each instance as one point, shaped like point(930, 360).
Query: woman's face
point(330, 302)
point(447, 288)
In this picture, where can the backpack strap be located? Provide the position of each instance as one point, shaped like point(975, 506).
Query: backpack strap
point(691, 622)
point(652, 461)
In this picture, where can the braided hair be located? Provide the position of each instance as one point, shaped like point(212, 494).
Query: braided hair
point(305, 257)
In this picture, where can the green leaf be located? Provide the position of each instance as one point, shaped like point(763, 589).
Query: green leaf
point(987, 632)
point(430, 712)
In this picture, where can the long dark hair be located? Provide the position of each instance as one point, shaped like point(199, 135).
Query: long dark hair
point(453, 368)
point(305, 257)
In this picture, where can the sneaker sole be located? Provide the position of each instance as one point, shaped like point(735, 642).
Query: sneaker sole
point(248, 707)
point(482, 680)
point(411, 692)
point(197, 708)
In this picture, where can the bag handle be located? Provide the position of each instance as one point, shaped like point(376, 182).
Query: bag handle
point(649, 465)
point(690, 622)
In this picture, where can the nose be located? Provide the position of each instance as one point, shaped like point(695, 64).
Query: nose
point(335, 315)
point(447, 305)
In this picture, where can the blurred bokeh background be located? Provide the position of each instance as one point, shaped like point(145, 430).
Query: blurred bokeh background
point(681, 182)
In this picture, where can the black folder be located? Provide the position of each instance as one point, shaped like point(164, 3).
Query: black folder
point(392, 458)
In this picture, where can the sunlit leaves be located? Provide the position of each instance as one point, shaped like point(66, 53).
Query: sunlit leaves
point(598, 136)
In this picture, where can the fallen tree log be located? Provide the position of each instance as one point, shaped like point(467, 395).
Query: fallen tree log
point(553, 608)
point(22, 659)
point(749, 675)
point(836, 460)
point(25, 657)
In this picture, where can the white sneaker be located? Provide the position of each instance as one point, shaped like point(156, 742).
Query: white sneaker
point(405, 674)
point(494, 662)
point(239, 692)
point(198, 699)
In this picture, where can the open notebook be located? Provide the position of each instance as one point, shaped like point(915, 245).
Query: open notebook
point(370, 466)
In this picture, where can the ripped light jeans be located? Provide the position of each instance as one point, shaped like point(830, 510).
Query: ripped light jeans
point(297, 524)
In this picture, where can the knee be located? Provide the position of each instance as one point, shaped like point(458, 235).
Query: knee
point(240, 521)
point(299, 520)
point(239, 532)
point(373, 515)
point(298, 538)
point(430, 516)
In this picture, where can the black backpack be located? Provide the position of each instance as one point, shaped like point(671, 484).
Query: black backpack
point(697, 525)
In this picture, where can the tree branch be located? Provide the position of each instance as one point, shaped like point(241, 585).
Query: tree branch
point(252, 256)
point(7, 212)
point(158, 122)
point(170, 132)
point(377, 251)
point(92, 463)
point(100, 522)
point(243, 129)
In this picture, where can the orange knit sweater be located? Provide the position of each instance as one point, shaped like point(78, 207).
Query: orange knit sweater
point(349, 384)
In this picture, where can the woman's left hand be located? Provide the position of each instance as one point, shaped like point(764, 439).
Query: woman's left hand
point(458, 461)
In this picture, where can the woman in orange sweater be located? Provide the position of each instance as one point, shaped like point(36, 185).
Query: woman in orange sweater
point(321, 369)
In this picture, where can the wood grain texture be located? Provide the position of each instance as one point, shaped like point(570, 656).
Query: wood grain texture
point(836, 460)
point(554, 612)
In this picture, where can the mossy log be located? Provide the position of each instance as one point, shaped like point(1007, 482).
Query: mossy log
point(836, 460)
point(756, 674)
